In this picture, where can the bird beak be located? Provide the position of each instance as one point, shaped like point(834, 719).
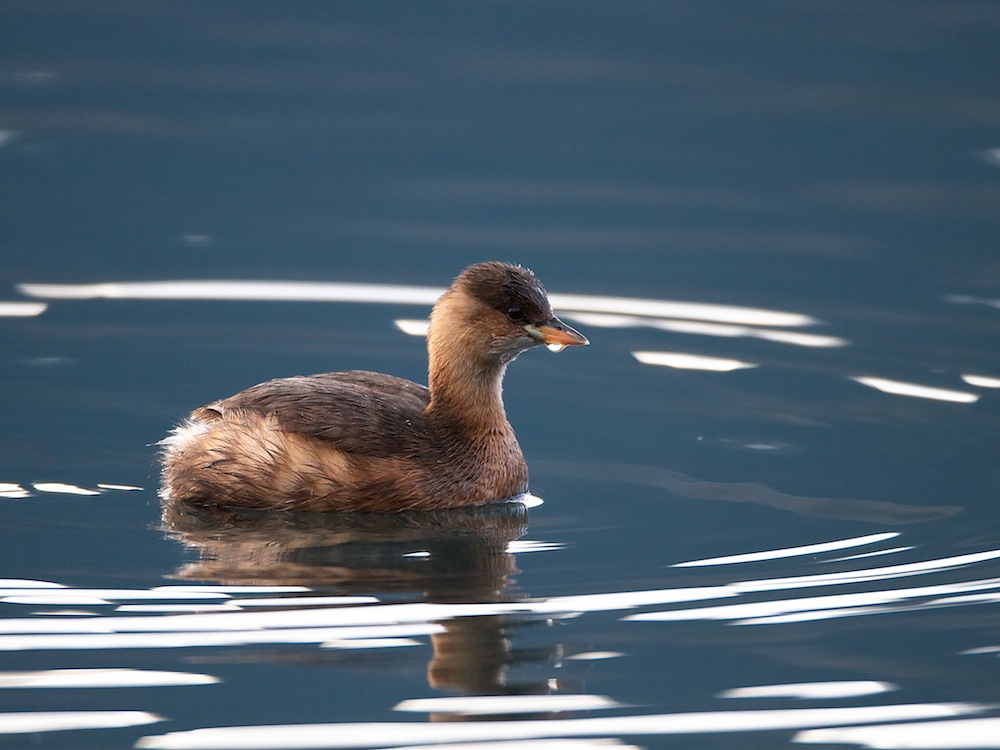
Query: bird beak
point(555, 333)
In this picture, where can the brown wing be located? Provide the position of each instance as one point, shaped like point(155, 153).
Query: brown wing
point(357, 412)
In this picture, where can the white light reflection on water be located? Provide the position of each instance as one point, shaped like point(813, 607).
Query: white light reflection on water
point(101, 678)
point(594, 656)
point(27, 583)
point(602, 311)
point(869, 574)
point(63, 595)
point(413, 327)
point(777, 554)
point(88, 641)
point(577, 743)
point(685, 361)
point(209, 588)
point(29, 722)
point(982, 381)
point(781, 611)
point(175, 608)
point(335, 623)
point(723, 330)
point(252, 291)
point(306, 291)
point(306, 601)
point(13, 491)
point(812, 690)
point(915, 390)
point(297, 624)
point(22, 309)
point(479, 705)
point(360, 624)
point(59, 721)
point(62, 488)
point(958, 734)
point(522, 546)
point(397, 734)
point(876, 553)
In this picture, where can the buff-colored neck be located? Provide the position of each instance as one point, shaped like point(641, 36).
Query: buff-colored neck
point(465, 382)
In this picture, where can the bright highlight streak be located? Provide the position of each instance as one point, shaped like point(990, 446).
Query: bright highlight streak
point(899, 388)
point(64, 489)
point(252, 291)
point(474, 705)
point(812, 690)
point(869, 574)
point(55, 721)
point(22, 309)
point(961, 734)
point(225, 589)
point(810, 607)
point(682, 361)
point(777, 554)
point(413, 327)
point(305, 291)
point(698, 328)
point(876, 553)
point(28, 583)
point(306, 601)
point(595, 656)
point(401, 734)
point(62, 595)
point(207, 639)
point(652, 308)
point(981, 381)
point(101, 678)
point(525, 546)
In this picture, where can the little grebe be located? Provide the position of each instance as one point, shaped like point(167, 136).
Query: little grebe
point(363, 441)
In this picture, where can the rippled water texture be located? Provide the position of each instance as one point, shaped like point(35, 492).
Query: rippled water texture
point(764, 509)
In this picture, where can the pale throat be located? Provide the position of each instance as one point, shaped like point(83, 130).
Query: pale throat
point(466, 384)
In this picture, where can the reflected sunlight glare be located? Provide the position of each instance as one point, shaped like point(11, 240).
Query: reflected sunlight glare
point(307, 291)
point(397, 734)
point(876, 553)
point(60, 721)
point(604, 320)
point(777, 554)
point(22, 309)
point(900, 388)
point(982, 381)
point(960, 734)
point(13, 491)
point(684, 361)
point(413, 327)
point(101, 678)
point(817, 607)
point(869, 574)
point(478, 705)
point(812, 690)
point(62, 488)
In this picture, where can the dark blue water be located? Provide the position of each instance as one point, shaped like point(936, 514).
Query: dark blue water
point(822, 179)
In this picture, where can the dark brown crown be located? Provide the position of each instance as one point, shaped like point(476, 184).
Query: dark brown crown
point(512, 290)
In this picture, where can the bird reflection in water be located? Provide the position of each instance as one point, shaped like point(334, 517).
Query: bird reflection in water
point(457, 556)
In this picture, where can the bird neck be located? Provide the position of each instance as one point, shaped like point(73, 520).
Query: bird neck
point(467, 393)
point(466, 384)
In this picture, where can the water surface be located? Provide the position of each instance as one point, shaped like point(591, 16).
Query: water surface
point(769, 485)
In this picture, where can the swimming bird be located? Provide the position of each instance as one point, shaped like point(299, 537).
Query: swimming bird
point(369, 442)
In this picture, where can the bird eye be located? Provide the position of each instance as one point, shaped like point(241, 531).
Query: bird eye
point(515, 314)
